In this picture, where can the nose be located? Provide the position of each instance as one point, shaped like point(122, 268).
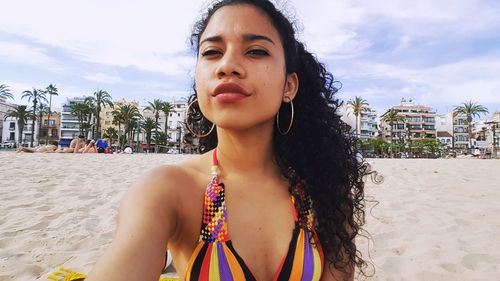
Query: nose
point(230, 65)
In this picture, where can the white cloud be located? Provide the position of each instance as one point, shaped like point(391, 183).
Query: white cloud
point(111, 32)
point(103, 78)
point(152, 36)
point(12, 52)
point(441, 86)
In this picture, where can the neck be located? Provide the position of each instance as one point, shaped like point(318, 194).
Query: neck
point(247, 152)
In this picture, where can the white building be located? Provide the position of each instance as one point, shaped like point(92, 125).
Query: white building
point(4, 108)
point(460, 132)
point(176, 119)
point(419, 123)
point(444, 123)
point(367, 122)
point(445, 138)
point(10, 132)
point(70, 128)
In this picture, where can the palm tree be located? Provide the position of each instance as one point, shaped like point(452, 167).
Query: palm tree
point(167, 108)
point(90, 125)
point(470, 109)
point(358, 105)
point(112, 134)
point(21, 114)
point(148, 126)
point(128, 115)
point(392, 117)
point(37, 96)
point(81, 110)
point(135, 128)
point(156, 106)
point(42, 108)
point(160, 139)
point(5, 92)
point(118, 120)
point(102, 99)
point(51, 90)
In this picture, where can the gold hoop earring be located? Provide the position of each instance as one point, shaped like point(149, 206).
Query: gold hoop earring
point(291, 121)
point(190, 129)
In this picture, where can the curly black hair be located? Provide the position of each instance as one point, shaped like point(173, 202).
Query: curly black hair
point(319, 147)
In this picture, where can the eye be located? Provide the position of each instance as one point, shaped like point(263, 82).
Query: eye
point(258, 53)
point(209, 53)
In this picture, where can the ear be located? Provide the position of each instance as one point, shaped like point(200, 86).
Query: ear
point(291, 87)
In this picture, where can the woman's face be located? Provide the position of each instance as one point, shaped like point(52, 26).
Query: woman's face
point(241, 79)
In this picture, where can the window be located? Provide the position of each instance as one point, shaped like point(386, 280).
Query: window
point(12, 125)
point(12, 136)
point(54, 133)
point(49, 122)
point(178, 115)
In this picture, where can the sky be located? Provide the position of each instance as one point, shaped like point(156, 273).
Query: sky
point(437, 53)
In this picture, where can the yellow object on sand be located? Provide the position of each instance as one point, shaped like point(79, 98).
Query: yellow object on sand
point(65, 274)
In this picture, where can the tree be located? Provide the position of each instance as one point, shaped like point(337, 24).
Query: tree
point(160, 139)
point(470, 109)
point(128, 114)
point(112, 134)
point(101, 99)
point(156, 106)
point(37, 96)
point(167, 108)
point(81, 110)
point(148, 126)
point(42, 108)
point(21, 114)
point(5, 92)
point(392, 117)
point(51, 90)
point(90, 125)
point(358, 105)
point(118, 120)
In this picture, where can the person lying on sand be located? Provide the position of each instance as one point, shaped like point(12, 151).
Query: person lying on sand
point(49, 148)
point(90, 147)
point(75, 145)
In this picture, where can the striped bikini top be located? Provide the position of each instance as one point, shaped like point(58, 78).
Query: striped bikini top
point(215, 258)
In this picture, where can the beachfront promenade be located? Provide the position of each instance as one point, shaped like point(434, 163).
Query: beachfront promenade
point(437, 219)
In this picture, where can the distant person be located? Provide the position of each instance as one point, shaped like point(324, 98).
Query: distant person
point(102, 145)
point(90, 147)
point(76, 144)
point(128, 150)
point(49, 148)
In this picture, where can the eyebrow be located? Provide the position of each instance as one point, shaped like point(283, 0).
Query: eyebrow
point(246, 37)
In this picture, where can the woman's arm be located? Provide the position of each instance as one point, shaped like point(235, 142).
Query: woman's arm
point(147, 219)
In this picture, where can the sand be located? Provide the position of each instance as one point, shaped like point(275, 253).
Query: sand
point(435, 219)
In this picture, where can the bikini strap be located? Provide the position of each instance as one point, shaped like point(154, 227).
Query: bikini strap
point(214, 223)
point(215, 164)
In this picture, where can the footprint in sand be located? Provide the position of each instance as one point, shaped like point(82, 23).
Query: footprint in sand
point(474, 261)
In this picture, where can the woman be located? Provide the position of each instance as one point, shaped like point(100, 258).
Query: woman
point(285, 199)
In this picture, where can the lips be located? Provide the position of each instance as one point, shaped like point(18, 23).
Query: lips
point(229, 88)
point(229, 92)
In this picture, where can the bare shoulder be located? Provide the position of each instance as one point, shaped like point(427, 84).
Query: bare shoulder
point(157, 187)
point(165, 189)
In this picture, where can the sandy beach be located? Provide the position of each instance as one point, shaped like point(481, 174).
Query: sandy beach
point(433, 219)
